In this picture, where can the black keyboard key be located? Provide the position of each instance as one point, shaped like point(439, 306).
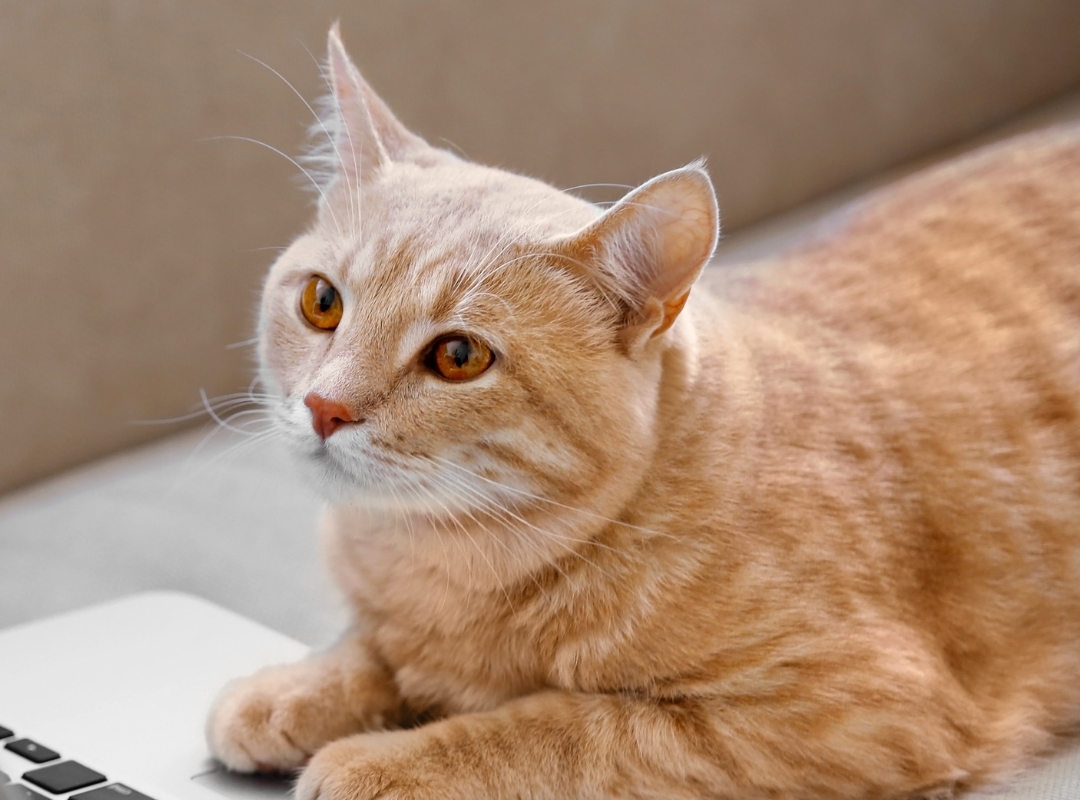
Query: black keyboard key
point(32, 751)
point(114, 791)
point(67, 776)
point(6, 732)
point(16, 791)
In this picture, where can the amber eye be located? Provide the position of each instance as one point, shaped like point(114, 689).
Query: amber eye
point(320, 303)
point(459, 358)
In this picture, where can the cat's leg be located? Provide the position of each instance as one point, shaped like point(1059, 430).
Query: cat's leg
point(566, 745)
point(278, 717)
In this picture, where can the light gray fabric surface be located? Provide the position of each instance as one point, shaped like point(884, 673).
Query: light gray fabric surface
point(224, 520)
point(1057, 778)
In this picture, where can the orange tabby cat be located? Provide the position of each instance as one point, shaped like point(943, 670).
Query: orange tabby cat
point(814, 533)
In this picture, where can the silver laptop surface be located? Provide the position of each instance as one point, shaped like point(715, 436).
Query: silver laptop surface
point(112, 700)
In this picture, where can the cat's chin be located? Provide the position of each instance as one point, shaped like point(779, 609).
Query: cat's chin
point(339, 485)
point(330, 479)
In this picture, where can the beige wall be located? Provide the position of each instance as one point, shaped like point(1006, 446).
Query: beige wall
point(128, 243)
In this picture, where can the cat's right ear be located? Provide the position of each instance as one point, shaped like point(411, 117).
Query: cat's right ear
point(368, 135)
point(648, 249)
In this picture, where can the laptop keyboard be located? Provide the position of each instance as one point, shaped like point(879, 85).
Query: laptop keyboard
point(46, 771)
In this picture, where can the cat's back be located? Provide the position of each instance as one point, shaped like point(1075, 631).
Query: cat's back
point(953, 290)
point(941, 320)
point(920, 400)
point(996, 230)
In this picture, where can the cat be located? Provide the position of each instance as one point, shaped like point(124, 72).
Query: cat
point(612, 526)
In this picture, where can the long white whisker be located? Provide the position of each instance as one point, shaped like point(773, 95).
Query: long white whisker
point(244, 343)
point(442, 543)
point(318, 119)
point(509, 241)
point(492, 509)
point(292, 161)
point(219, 403)
point(461, 527)
point(233, 451)
point(624, 186)
point(536, 497)
point(407, 516)
point(352, 153)
point(353, 191)
point(214, 415)
point(503, 511)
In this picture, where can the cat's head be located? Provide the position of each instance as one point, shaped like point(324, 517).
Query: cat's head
point(448, 337)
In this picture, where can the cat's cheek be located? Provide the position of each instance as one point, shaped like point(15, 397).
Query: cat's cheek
point(281, 351)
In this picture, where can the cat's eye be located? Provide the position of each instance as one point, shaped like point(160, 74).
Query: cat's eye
point(459, 358)
point(320, 303)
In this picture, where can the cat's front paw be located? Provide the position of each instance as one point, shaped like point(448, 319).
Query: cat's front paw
point(276, 719)
point(389, 766)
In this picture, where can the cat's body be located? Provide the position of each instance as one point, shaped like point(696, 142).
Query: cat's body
point(817, 535)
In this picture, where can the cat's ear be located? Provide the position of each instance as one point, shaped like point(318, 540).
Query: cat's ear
point(369, 136)
point(650, 247)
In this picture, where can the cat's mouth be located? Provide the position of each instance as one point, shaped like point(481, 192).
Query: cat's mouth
point(348, 476)
point(325, 458)
point(379, 481)
point(327, 462)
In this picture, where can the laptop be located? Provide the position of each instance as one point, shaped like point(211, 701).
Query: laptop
point(109, 703)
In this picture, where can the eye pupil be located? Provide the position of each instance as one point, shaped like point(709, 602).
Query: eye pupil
point(320, 303)
point(459, 358)
point(460, 351)
point(326, 295)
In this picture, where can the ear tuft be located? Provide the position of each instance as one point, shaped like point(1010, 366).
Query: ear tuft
point(358, 146)
point(364, 135)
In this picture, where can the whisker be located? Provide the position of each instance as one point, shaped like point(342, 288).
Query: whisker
point(219, 403)
point(506, 527)
point(245, 343)
point(405, 512)
point(352, 191)
point(438, 535)
point(479, 549)
point(292, 161)
point(214, 415)
point(319, 121)
point(484, 263)
point(454, 146)
point(624, 186)
point(531, 496)
point(240, 448)
point(503, 512)
point(234, 450)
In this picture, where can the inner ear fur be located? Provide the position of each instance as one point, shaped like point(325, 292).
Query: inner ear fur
point(650, 247)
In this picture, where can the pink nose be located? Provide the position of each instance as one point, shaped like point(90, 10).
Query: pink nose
point(326, 415)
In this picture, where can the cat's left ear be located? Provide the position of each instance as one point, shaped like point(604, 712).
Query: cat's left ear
point(650, 247)
point(369, 136)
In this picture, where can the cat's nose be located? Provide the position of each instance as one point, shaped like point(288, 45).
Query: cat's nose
point(327, 415)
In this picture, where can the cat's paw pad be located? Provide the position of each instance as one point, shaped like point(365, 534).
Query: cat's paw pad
point(274, 721)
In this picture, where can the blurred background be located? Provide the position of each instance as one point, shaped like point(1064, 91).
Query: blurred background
point(133, 241)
